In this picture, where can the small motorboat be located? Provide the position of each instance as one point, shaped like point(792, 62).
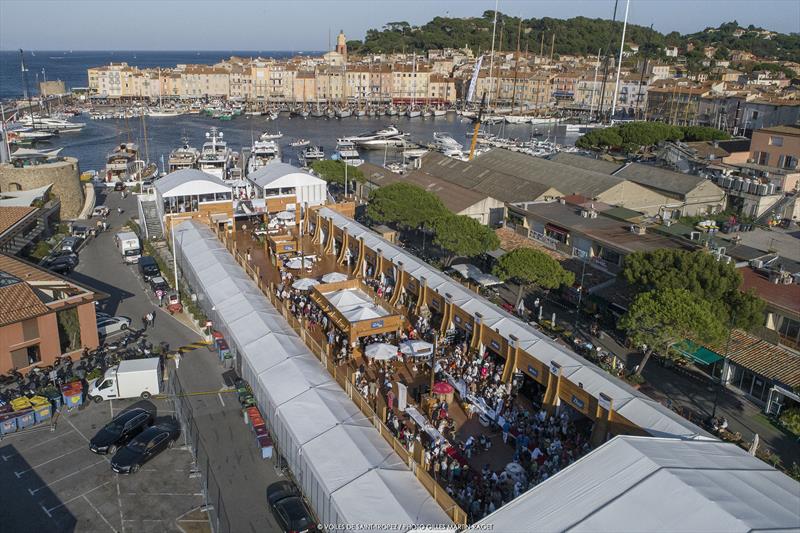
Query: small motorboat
point(299, 143)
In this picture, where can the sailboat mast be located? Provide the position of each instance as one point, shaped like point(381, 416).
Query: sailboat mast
point(491, 58)
point(516, 67)
point(619, 63)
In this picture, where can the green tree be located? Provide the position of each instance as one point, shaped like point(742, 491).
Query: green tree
point(333, 172)
point(658, 319)
point(527, 267)
point(701, 274)
point(460, 235)
point(69, 329)
point(408, 206)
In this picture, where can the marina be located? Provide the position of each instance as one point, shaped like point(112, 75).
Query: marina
point(384, 144)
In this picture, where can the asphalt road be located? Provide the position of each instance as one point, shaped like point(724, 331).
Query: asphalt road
point(227, 446)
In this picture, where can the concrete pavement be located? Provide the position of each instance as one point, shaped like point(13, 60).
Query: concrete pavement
point(238, 474)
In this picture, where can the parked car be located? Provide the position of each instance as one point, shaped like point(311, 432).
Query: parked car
point(120, 431)
point(60, 265)
point(70, 244)
point(288, 508)
point(80, 231)
point(144, 447)
point(148, 267)
point(157, 283)
point(107, 326)
point(119, 186)
point(100, 211)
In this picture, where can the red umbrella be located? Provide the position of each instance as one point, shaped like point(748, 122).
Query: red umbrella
point(442, 388)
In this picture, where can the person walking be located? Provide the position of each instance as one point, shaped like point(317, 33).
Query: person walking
point(153, 317)
point(119, 210)
point(144, 322)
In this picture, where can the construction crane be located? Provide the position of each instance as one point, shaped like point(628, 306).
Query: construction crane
point(477, 127)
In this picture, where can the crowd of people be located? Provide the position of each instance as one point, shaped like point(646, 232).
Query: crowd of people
point(540, 444)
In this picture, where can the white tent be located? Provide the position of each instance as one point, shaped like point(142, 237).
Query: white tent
point(280, 179)
point(296, 264)
point(333, 277)
point(644, 484)
point(190, 182)
point(416, 348)
point(305, 408)
point(285, 215)
point(381, 351)
point(304, 284)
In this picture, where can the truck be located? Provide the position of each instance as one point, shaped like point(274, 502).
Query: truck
point(128, 245)
point(132, 378)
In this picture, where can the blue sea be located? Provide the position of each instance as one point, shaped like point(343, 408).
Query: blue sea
point(70, 66)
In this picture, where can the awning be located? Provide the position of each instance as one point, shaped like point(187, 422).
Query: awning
point(699, 354)
point(556, 229)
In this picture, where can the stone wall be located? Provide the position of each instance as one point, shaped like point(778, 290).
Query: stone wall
point(64, 175)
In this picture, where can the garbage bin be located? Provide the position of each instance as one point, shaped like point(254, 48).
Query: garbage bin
point(72, 393)
point(8, 423)
point(42, 408)
point(26, 418)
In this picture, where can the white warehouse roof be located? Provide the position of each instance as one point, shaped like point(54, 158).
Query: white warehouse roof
point(644, 484)
point(189, 182)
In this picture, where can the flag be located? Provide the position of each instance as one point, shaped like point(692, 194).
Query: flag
point(473, 83)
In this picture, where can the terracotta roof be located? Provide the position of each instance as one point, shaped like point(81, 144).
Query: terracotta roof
point(779, 295)
point(25, 271)
point(11, 215)
point(19, 302)
point(773, 362)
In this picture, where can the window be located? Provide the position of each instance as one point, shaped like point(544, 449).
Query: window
point(776, 141)
point(34, 355)
point(30, 329)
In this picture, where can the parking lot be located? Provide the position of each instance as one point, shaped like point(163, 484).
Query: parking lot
point(50, 481)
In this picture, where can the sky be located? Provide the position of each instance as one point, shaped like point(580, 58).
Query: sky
point(305, 24)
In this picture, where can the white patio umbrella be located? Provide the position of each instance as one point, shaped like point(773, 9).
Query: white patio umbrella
point(333, 277)
point(416, 348)
point(295, 264)
point(304, 284)
point(381, 351)
point(285, 215)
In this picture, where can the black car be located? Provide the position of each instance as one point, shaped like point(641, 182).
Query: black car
point(60, 265)
point(119, 432)
point(119, 186)
point(288, 508)
point(144, 447)
point(148, 267)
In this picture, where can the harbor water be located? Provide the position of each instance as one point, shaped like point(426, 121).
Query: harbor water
point(99, 137)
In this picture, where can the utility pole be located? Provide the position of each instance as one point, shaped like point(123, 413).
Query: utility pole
point(552, 46)
point(594, 85)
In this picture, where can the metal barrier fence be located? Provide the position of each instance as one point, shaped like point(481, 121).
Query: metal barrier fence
point(212, 494)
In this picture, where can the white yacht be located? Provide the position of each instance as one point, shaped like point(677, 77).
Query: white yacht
point(347, 152)
point(215, 157)
point(443, 142)
point(310, 154)
point(163, 112)
point(389, 136)
point(184, 157)
point(261, 154)
point(50, 123)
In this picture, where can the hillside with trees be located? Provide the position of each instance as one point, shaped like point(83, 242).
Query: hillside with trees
point(574, 36)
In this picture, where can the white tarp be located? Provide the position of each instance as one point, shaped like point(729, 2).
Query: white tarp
point(646, 484)
point(302, 404)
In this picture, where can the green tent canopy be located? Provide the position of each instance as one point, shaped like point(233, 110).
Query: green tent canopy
point(697, 353)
